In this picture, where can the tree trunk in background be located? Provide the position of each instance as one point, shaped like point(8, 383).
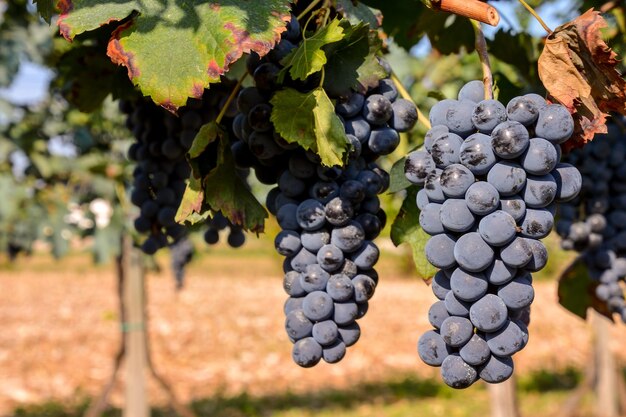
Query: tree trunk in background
point(136, 401)
point(504, 399)
point(606, 388)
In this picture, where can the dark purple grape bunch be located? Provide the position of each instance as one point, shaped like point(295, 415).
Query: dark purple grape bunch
point(594, 223)
point(329, 216)
point(491, 177)
point(162, 141)
point(236, 236)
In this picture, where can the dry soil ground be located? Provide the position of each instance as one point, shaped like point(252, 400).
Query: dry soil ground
point(224, 331)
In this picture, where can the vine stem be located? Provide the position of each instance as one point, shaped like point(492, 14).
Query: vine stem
point(230, 99)
point(308, 9)
point(481, 49)
point(536, 16)
point(405, 94)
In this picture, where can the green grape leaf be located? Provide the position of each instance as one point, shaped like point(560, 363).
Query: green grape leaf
point(345, 58)
point(397, 179)
point(406, 229)
point(359, 12)
point(225, 191)
point(371, 72)
point(577, 291)
point(309, 57)
point(174, 49)
point(205, 136)
point(309, 119)
point(45, 8)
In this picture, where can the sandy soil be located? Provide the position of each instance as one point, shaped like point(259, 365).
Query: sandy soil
point(224, 332)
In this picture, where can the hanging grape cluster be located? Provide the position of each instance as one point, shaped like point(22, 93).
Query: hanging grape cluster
point(594, 223)
point(491, 177)
point(329, 216)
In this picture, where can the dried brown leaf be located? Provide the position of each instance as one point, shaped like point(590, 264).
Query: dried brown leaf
point(579, 71)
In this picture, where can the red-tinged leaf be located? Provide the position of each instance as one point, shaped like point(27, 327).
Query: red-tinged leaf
point(579, 71)
point(577, 291)
point(225, 191)
point(172, 49)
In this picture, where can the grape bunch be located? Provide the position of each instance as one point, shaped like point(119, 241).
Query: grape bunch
point(491, 177)
point(594, 223)
point(159, 178)
point(329, 216)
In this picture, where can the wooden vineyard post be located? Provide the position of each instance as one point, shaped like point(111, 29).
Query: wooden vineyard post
point(136, 401)
point(504, 399)
point(606, 387)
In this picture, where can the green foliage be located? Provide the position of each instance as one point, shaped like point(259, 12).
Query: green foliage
point(195, 40)
point(397, 179)
point(360, 13)
point(309, 119)
point(406, 229)
point(309, 57)
point(577, 291)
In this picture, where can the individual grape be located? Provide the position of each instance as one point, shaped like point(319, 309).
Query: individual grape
point(433, 187)
point(404, 115)
point(517, 253)
point(489, 313)
point(302, 259)
point(499, 273)
point(457, 307)
point(418, 165)
point(523, 110)
point(433, 133)
point(509, 139)
point(471, 252)
point(497, 369)
point(459, 117)
point(430, 219)
point(313, 241)
point(568, 182)
point(422, 199)
point(507, 177)
point(476, 351)
point(497, 228)
point(468, 286)
point(477, 154)
point(351, 106)
point(540, 191)
point(330, 257)
point(440, 251)
point(287, 218)
point(383, 141)
point(439, 111)
point(287, 243)
point(377, 109)
point(387, 88)
point(325, 332)
point(511, 338)
point(455, 216)
point(516, 294)
point(298, 326)
point(307, 352)
point(445, 150)
point(437, 314)
point(456, 373)
point(291, 284)
point(364, 287)
point(345, 313)
point(440, 285)
point(456, 331)
point(540, 157)
point(472, 91)
point(554, 124)
point(314, 278)
point(317, 306)
point(514, 206)
point(537, 223)
point(432, 349)
point(339, 211)
point(348, 238)
point(455, 180)
point(358, 127)
point(366, 257)
point(482, 198)
point(488, 114)
point(334, 353)
point(350, 334)
point(340, 287)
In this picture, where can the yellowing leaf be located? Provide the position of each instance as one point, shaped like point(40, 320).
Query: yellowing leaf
point(309, 120)
point(579, 71)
